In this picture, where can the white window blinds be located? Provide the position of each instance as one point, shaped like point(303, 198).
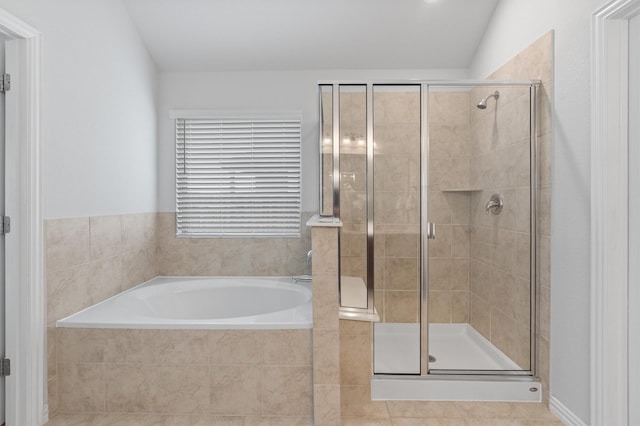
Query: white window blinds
point(238, 177)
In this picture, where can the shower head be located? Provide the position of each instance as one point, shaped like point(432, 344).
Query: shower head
point(483, 103)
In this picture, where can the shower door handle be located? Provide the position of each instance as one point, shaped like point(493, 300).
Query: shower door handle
point(431, 231)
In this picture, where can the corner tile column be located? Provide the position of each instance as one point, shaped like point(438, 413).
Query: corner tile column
point(326, 333)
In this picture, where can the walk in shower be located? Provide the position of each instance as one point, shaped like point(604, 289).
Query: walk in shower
point(434, 183)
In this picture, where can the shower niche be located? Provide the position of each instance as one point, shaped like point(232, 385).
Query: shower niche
point(434, 183)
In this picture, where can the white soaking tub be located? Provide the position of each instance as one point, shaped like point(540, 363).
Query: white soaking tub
point(203, 303)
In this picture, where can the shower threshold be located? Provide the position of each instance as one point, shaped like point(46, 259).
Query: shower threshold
point(456, 347)
point(455, 388)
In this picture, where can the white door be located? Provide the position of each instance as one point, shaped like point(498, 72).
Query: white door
point(634, 220)
point(2, 204)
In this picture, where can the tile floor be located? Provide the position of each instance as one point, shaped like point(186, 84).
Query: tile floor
point(398, 413)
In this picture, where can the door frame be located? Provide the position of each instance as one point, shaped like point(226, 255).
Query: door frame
point(609, 212)
point(25, 291)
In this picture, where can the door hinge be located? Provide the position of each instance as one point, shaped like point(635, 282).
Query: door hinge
point(5, 82)
point(5, 367)
point(5, 225)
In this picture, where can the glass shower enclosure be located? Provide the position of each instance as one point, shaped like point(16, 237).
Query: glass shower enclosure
point(435, 184)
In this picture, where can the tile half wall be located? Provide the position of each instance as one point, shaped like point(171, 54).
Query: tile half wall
point(89, 259)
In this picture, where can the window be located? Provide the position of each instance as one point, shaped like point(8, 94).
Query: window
point(238, 176)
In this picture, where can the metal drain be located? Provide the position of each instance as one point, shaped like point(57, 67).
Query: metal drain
point(432, 358)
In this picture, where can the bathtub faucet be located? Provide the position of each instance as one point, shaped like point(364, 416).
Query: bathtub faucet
point(305, 278)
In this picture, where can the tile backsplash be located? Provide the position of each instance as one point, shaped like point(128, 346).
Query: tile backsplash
point(89, 259)
point(230, 256)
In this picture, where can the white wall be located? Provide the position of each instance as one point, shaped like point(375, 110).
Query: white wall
point(262, 91)
point(99, 114)
point(515, 24)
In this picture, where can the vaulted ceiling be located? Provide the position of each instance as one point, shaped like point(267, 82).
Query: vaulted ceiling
point(218, 35)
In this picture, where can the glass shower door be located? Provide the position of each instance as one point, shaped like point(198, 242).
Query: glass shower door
point(479, 199)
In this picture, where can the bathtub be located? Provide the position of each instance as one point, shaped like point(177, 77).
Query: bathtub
point(202, 303)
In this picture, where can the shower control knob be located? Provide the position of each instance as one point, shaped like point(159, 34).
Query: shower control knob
point(495, 204)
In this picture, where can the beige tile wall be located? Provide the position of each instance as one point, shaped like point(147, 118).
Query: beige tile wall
point(499, 249)
point(326, 338)
point(223, 372)
point(355, 372)
point(89, 259)
point(499, 267)
point(230, 256)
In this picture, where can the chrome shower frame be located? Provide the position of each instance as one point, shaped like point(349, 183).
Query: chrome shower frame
point(366, 313)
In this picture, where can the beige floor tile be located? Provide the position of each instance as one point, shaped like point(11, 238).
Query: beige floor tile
point(513, 422)
point(74, 420)
point(278, 421)
point(421, 421)
point(505, 410)
point(204, 420)
point(131, 420)
point(425, 409)
point(534, 411)
point(117, 419)
point(354, 421)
